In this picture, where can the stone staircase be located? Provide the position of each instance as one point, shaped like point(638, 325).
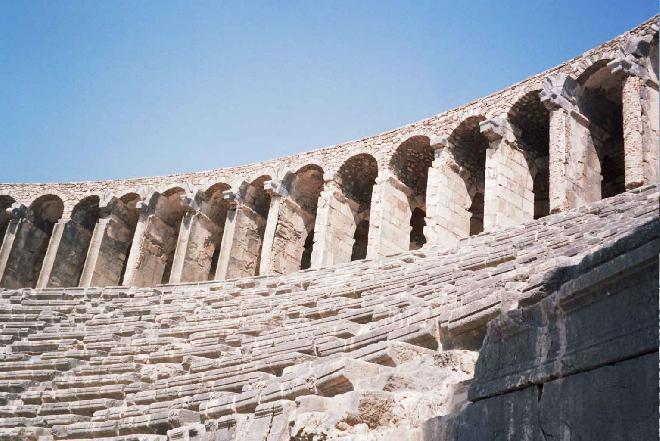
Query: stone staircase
point(366, 350)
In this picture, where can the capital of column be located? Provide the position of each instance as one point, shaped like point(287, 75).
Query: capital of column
point(235, 196)
point(559, 92)
point(627, 67)
point(389, 177)
point(21, 211)
point(276, 188)
point(109, 203)
point(147, 205)
point(192, 202)
point(638, 46)
point(439, 142)
point(498, 128)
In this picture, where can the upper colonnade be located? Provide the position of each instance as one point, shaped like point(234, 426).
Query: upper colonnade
point(574, 134)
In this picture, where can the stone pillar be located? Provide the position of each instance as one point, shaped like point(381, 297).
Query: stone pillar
point(334, 228)
point(389, 221)
point(286, 229)
point(22, 250)
point(154, 242)
point(241, 241)
point(110, 244)
point(640, 121)
point(509, 186)
point(447, 199)
point(574, 166)
point(197, 240)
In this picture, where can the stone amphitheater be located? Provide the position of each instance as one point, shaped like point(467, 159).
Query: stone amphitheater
point(489, 273)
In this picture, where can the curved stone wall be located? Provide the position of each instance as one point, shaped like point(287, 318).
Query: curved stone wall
point(561, 139)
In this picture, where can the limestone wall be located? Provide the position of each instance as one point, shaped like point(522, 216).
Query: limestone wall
point(570, 136)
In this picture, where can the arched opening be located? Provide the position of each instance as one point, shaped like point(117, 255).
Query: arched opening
point(215, 207)
point(155, 239)
point(356, 178)
point(170, 210)
point(46, 211)
point(200, 235)
point(531, 121)
point(29, 243)
point(126, 218)
point(66, 260)
point(410, 163)
point(258, 200)
point(5, 215)
point(304, 187)
point(599, 99)
point(468, 150)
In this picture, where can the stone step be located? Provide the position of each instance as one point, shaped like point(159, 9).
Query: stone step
point(114, 391)
point(157, 423)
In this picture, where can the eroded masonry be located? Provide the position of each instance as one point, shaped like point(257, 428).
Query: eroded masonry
point(487, 273)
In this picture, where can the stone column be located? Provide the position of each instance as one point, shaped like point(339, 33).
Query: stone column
point(389, 221)
point(509, 186)
point(22, 250)
point(198, 236)
point(575, 173)
point(110, 244)
point(241, 241)
point(447, 199)
point(334, 228)
point(153, 242)
point(640, 120)
point(286, 229)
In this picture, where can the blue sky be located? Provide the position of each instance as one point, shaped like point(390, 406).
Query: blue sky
point(117, 89)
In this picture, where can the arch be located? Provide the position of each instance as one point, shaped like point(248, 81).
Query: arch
point(467, 149)
point(125, 217)
point(86, 212)
point(410, 163)
point(154, 242)
point(47, 210)
point(215, 207)
point(25, 250)
point(356, 178)
point(304, 188)
point(67, 252)
point(110, 246)
point(173, 190)
point(599, 99)
point(305, 185)
point(130, 198)
point(256, 197)
point(170, 209)
point(531, 122)
point(601, 58)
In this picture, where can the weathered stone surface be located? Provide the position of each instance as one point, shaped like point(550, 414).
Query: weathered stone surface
point(576, 329)
point(379, 340)
point(580, 364)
